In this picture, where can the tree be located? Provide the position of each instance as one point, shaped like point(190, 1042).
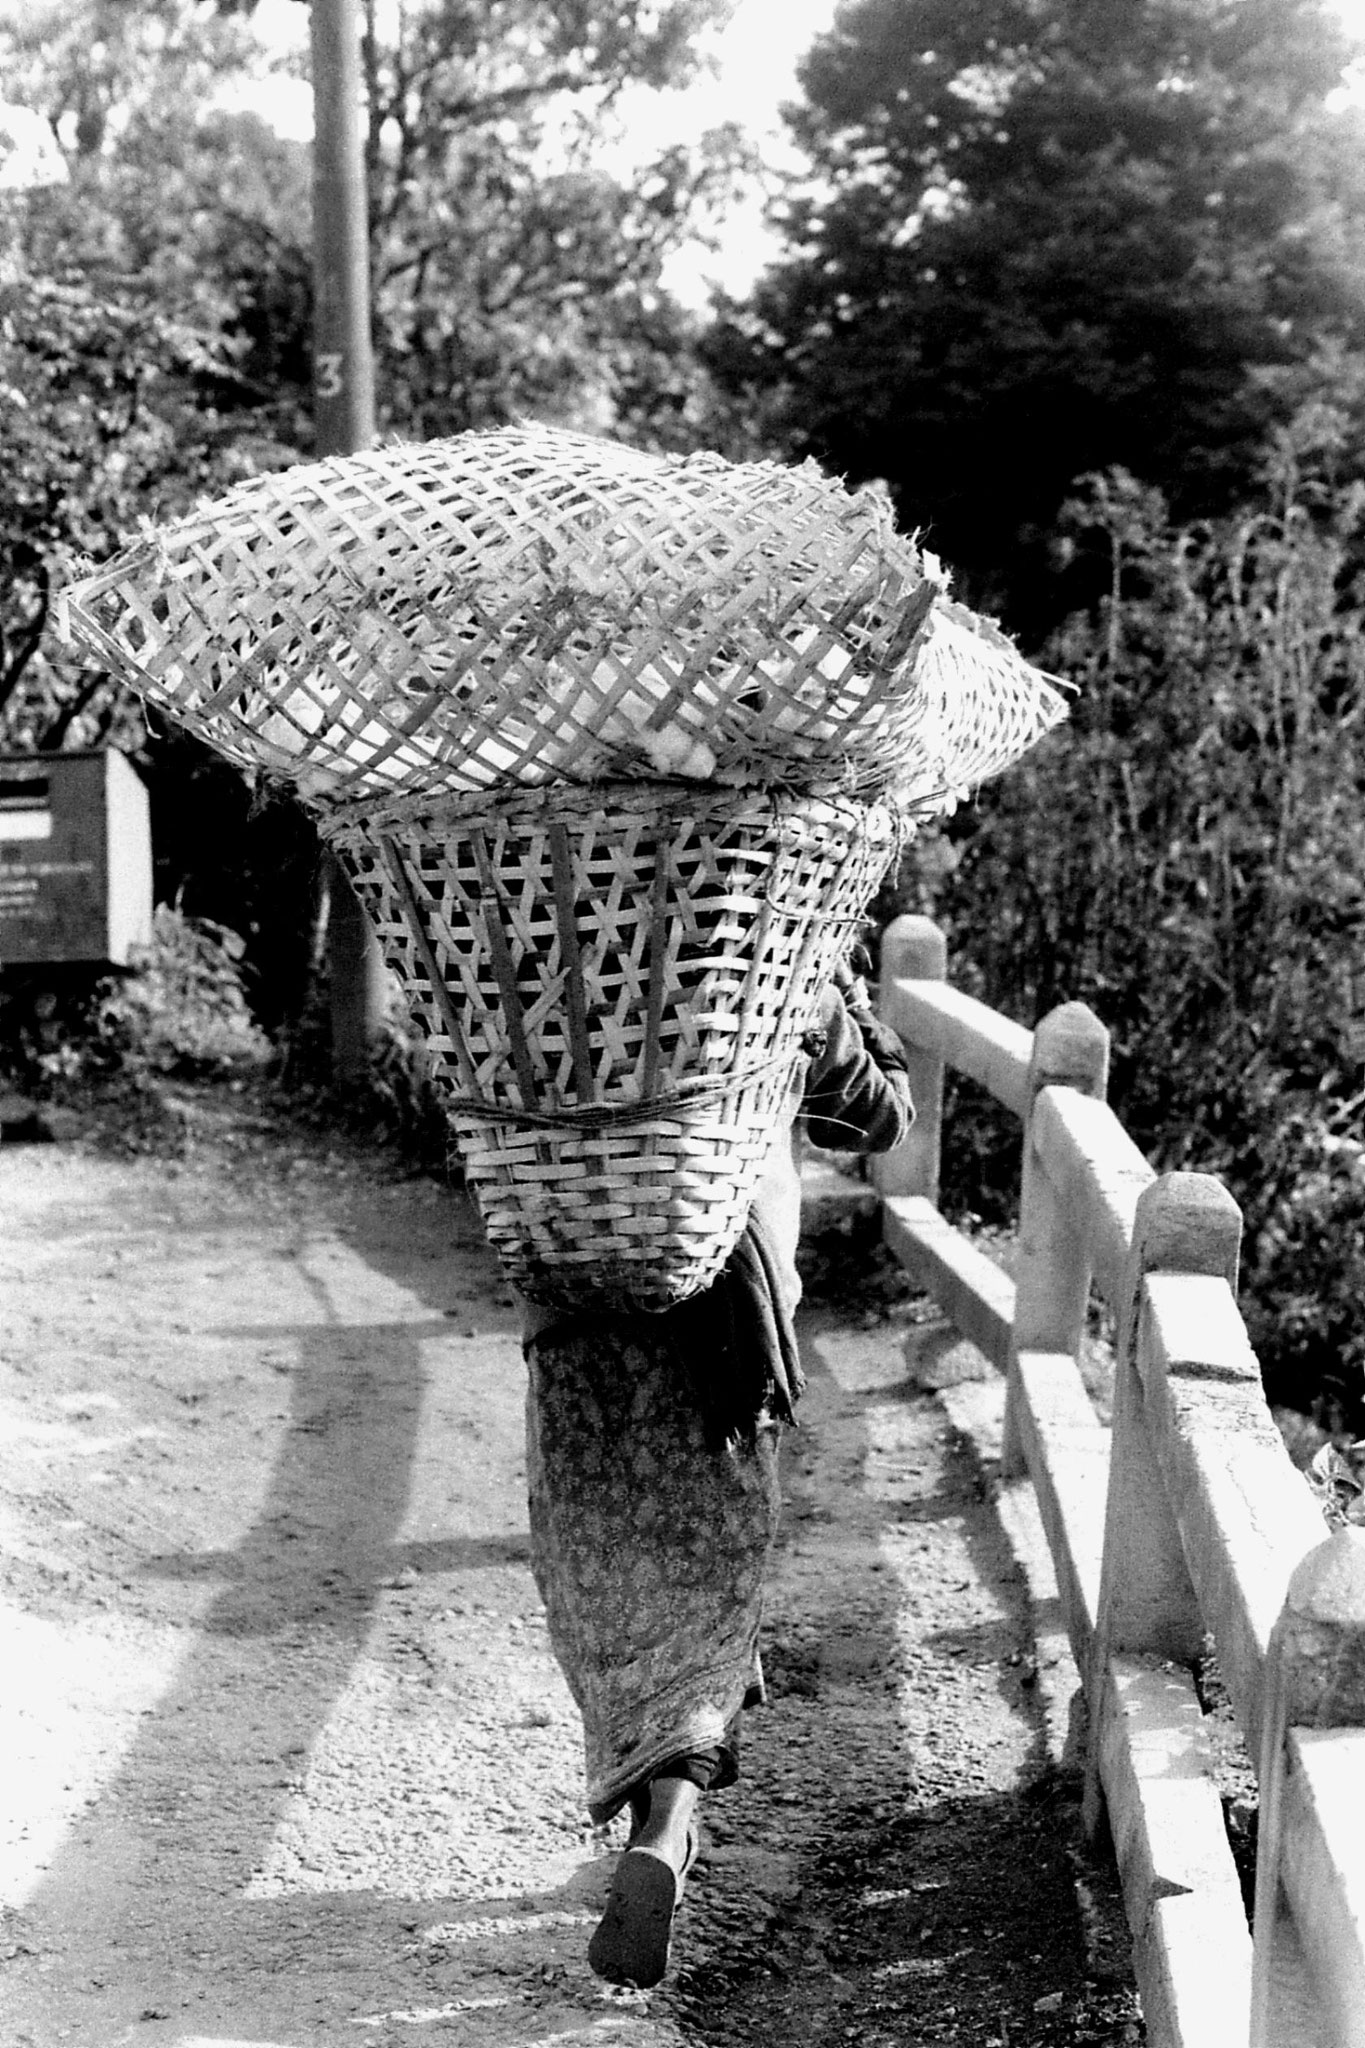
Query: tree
point(1042, 237)
point(513, 273)
point(157, 305)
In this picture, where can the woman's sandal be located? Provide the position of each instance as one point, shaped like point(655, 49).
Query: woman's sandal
point(631, 1941)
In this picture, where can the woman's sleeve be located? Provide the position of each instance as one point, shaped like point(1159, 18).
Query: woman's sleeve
point(857, 1096)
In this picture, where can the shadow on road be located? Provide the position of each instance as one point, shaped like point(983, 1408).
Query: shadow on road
point(898, 1863)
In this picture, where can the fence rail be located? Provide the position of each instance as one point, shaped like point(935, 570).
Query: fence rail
point(1183, 1519)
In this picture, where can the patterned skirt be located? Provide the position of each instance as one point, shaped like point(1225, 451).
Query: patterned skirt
point(649, 1545)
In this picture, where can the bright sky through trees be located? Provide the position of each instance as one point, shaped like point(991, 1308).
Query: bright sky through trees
point(755, 59)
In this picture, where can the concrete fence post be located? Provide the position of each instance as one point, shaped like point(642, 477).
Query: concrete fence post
point(1184, 1223)
point(1315, 1678)
point(913, 949)
point(1052, 1282)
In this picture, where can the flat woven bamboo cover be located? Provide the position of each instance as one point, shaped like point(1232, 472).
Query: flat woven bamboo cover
point(528, 605)
point(613, 987)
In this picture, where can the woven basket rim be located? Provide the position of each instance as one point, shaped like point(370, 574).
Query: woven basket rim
point(684, 801)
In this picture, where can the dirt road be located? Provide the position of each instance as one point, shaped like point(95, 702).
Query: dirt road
point(287, 1761)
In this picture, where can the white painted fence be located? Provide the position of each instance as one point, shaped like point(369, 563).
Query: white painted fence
point(1184, 1519)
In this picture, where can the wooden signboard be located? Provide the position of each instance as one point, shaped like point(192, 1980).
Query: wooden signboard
point(75, 859)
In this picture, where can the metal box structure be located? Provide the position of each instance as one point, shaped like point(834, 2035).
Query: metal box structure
point(75, 859)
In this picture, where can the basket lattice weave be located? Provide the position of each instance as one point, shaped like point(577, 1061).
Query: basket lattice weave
point(531, 606)
point(613, 988)
point(616, 748)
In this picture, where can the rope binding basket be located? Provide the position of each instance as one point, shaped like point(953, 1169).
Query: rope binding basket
point(613, 987)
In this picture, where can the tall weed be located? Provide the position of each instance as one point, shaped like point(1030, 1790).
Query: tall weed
point(1188, 856)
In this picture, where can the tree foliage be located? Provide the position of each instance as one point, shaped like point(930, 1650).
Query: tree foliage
point(156, 308)
point(1044, 237)
point(125, 310)
point(513, 272)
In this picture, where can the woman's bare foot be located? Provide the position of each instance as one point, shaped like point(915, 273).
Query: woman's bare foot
point(667, 1826)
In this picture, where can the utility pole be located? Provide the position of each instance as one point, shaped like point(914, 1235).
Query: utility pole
point(343, 416)
point(343, 361)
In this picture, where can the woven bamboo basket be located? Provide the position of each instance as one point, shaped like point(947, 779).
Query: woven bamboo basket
point(530, 606)
point(613, 988)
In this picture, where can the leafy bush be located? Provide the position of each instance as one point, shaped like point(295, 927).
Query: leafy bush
point(1186, 857)
point(183, 1011)
point(1307, 1272)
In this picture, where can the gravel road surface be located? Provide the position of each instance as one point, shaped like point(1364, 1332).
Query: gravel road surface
point(287, 1760)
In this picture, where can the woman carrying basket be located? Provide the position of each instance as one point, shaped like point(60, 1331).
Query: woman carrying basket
point(654, 1498)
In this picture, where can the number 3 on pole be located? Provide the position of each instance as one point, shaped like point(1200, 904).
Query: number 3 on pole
point(328, 371)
